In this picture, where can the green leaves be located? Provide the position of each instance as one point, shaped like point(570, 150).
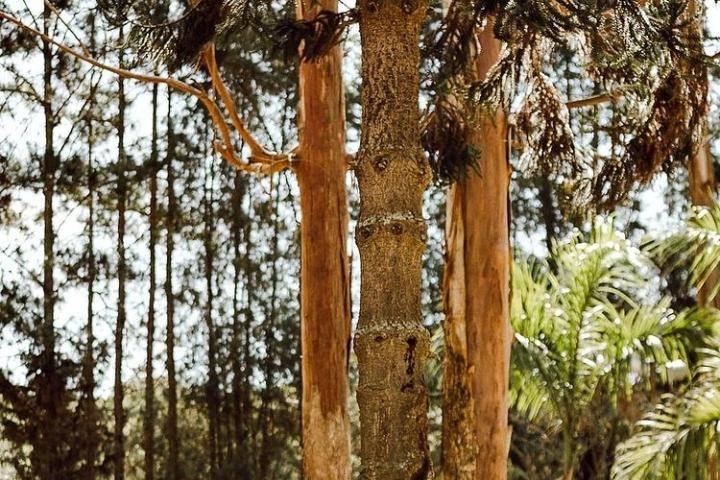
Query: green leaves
point(696, 247)
point(590, 332)
point(679, 438)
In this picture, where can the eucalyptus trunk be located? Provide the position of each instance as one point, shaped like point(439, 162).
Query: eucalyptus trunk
point(476, 435)
point(325, 278)
point(392, 171)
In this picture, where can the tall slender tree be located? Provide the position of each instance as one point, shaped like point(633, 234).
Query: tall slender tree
point(118, 408)
point(149, 417)
point(325, 278)
point(476, 435)
point(172, 471)
point(213, 392)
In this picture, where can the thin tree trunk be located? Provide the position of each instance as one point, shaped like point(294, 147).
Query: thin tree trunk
point(118, 410)
point(173, 467)
point(240, 363)
point(213, 394)
point(391, 342)
point(266, 434)
point(476, 435)
point(149, 418)
point(325, 306)
point(88, 365)
point(48, 455)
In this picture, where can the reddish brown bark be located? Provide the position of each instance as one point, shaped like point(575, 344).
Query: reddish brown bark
point(324, 270)
point(477, 332)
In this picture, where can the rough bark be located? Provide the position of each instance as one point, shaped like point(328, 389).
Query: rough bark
point(118, 410)
point(149, 417)
point(173, 467)
point(325, 309)
point(392, 171)
point(476, 435)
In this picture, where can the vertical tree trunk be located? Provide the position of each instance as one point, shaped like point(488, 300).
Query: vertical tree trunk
point(701, 173)
point(213, 393)
point(267, 447)
point(149, 418)
point(48, 455)
point(173, 467)
point(476, 435)
point(391, 342)
point(239, 362)
point(325, 309)
point(118, 411)
point(89, 411)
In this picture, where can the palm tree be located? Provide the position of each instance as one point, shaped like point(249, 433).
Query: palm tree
point(586, 342)
point(680, 437)
point(696, 247)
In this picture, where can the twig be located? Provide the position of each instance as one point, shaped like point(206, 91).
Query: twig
point(57, 14)
point(592, 101)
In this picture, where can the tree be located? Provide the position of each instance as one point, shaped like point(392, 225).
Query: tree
point(581, 329)
point(118, 409)
point(477, 274)
point(392, 171)
point(679, 437)
point(172, 471)
point(325, 276)
point(476, 434)
point(149, 413)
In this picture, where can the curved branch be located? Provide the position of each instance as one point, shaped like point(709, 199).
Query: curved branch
point(271, 163)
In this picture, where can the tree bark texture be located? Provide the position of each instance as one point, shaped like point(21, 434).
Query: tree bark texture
point(325, 278)
point(476, 435)
point(392, 171)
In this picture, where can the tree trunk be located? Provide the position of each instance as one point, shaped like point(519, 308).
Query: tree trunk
point(391, 342)
point(118, 411)
point(173, 468)
point(47, 457)
point(213, 393)
point(476, 435)
point(325, 317)
point(89, 411)
point(240, 363)
point(701, 173)
point(149, 418)
point(267, 445)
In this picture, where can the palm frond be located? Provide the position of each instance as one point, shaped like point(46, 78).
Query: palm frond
point(696, 247)
point(679, 438)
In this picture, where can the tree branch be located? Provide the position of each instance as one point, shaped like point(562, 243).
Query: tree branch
point(270, 164)
point(592, 101)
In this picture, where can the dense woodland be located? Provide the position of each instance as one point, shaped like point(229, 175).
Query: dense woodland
point(375, 239)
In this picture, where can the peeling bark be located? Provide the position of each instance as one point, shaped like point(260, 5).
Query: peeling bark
point(325, 278)
point(476, 436)
point(392, 171)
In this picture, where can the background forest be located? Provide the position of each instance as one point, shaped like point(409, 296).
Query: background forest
point(163, 284)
